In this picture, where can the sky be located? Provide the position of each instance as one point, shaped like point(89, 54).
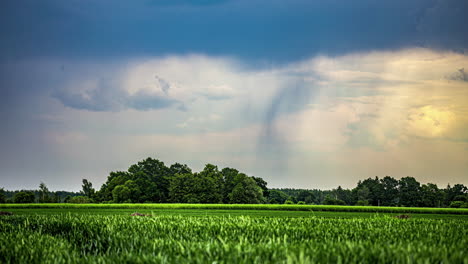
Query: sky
point(305, 94)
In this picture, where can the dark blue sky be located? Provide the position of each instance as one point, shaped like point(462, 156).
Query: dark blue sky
point(259, 30)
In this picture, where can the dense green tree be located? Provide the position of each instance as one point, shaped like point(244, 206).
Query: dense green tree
point(55, 197)
point(113, 180)
point(431, 195)
point(362, 194)
point(24, 197)
point(182, 187)
point(206, 186)
point(344, 195)
point(229, 178)
point(121, 194)
point(135, 192)
point(262, 184)
point(277, 197)
point(67, 199)
point(151, 181)
point(61, 195)
point(455, 192)
point(456, 204)
point(390, 191)
point(178, 168)
point(409, 191)
point(246, 191)
point(329, 200)
point(2, 196)
point(44, 194)
point(306, 196)
point(210, 185)
point(376, 190)
point(87, 189)
point(155, 172)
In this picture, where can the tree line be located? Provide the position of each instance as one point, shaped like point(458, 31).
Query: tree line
point(386, 191)
point(151, 181)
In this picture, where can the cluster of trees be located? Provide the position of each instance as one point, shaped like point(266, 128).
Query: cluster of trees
point(386, 191)
point(151, 181)
point(41, 195)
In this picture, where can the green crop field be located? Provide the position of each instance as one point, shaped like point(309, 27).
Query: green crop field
point(170, 234)
point(280, 207)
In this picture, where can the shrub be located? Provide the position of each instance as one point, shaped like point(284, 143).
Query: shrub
point(456, 204)
point(24, 197)
point(79, 200)
point(362, 203)
point(331, 201)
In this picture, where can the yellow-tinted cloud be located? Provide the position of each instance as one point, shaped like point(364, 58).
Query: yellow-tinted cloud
point(429, 121)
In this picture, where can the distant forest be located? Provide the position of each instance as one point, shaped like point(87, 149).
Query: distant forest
point(151, 181)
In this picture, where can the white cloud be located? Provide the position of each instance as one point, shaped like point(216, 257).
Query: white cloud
point(333, 119)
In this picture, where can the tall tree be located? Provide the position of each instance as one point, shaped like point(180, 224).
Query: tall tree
point(178, 168)
point(211, 188)
point(305, 196)
point(2, 196)
point(87, 189)
point(431, 195)
point(44, 193)
point(246, 191)
point(277, 197)
point(362, 193)
point(155, 173)
point(24, 197)
point(229, 178)
point(262, 184)
point(113, 180)
point(455, 193)
point(409, 192)
point(390, 191)
point(121, 194)
point(344, 195)
point(182, 189)
point(376, 190)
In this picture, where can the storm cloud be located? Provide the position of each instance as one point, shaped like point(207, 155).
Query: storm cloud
point(251, 30)
point(302, 93)
point(106, 95)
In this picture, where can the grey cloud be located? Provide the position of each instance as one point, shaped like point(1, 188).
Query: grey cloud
point(216, 97)
point(145, 101)
point(103, 98)
point(459, 75)
point(165, 86)
point(218, 93)
point(291, 98)
point(360, 135)
point(108, 96)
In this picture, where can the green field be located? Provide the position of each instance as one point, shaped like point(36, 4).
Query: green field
point(241, 234)
point(270, 207)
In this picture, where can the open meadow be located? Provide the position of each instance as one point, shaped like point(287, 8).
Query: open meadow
point(231, 234)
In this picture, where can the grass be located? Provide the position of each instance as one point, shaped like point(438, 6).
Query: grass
point(218, 212)
point(87, 238)
point(270, 207)
point(174, 233)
